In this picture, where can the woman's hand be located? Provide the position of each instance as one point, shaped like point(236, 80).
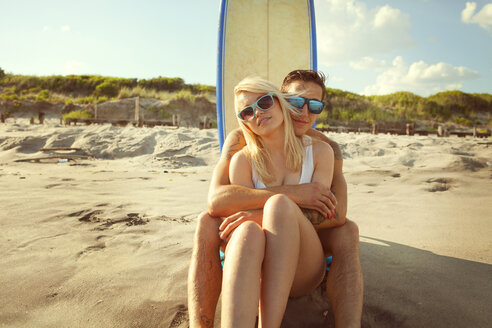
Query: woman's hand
point(230, 223)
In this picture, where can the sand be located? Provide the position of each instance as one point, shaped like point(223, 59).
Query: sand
point(105, 241)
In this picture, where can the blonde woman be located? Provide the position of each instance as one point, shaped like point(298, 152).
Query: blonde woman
point(276, 254)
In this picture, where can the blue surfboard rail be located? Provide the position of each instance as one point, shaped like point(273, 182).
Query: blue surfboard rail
point(220, 73)
point(314, 46)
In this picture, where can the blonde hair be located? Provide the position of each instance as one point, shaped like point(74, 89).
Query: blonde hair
point(255, 149)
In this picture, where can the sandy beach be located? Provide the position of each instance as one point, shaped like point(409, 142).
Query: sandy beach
point(105, 241)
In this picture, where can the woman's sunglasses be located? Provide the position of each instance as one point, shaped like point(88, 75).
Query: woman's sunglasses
point(264, 103)
point(314, 106)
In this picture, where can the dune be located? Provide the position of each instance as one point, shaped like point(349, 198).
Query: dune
point(101, 236)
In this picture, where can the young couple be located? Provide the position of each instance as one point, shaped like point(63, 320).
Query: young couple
point(271, 207)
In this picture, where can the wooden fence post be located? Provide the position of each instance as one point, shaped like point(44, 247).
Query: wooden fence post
point(176, 120)
point(410, 129)
point(41, 117)
point(138, 116)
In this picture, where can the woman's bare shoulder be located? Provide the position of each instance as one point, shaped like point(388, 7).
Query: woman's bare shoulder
point(241, 158)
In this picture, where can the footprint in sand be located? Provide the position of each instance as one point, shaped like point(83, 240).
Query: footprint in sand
point(180, 318)
point(90, 216)
point(90, 249)
point(440, 184)
point(52, 185)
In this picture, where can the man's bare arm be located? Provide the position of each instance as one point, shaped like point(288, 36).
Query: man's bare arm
point(338, 187)
point(225, 199)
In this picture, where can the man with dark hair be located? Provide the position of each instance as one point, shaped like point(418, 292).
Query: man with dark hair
point(238, 203)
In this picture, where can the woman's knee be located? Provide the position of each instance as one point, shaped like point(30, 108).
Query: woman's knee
point(279, 206)
point(250, 236)
point(278, 201)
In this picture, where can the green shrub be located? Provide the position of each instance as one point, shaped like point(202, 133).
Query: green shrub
point(163, 84)
point(2, 73)
point(164, 114)
point(108, 89)
point(322, 126)
point(77, 114)
point(185, 95)
point(43, 96)
point(10, 97)
point(462, 121)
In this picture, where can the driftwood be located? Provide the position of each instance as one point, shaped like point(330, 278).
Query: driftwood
point(62, 149)
point(67, 157)
point(77, 153)
point(140, 123)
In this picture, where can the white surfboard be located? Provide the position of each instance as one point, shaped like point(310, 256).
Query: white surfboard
point(267, 38)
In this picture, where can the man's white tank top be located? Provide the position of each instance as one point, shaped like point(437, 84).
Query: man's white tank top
point(307, 170)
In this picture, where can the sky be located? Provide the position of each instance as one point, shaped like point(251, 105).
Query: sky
point(367, 47)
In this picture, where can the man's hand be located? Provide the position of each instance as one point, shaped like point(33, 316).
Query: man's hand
point(230, 223)
point(315, 196)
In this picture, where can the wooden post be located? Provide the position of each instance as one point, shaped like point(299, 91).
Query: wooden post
point(2, 117)
point(374, 128)
point(410, 129)
point(137, 109)
point(475, 131)
point(95, 112)
point(141, 117)
point(41, 117)
point(176, 120)
point(204, 124)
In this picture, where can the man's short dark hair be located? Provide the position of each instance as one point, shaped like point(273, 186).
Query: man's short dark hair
point(305, 75)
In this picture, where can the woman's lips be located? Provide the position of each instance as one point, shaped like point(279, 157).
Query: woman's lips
point(300, 122)
point(263, 120)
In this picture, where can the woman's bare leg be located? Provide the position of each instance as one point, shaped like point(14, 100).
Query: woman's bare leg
point(241, 276)
point(288, 235)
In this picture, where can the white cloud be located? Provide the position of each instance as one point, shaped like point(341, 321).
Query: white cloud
point(482, 18)
point(348, 30)
point(369, 63)
point(65, 28)
point(73, 67)
point(46, 28)
point(420, 78)
point(335, 78)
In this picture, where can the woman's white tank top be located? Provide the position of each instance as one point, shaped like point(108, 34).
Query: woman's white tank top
point(307, 170)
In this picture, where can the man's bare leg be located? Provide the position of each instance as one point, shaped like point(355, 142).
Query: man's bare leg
point(344, 285)
point(205, 274)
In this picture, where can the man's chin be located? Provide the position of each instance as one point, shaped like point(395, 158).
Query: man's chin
point(301, 131)
point(300, 127)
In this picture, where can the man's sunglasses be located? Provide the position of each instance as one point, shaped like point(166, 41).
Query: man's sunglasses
point(264, 103)
point(314, 106)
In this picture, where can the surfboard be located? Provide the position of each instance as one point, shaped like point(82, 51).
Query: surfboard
point(267, 38)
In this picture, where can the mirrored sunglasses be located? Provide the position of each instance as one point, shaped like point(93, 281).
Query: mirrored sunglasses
point(314, 106)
